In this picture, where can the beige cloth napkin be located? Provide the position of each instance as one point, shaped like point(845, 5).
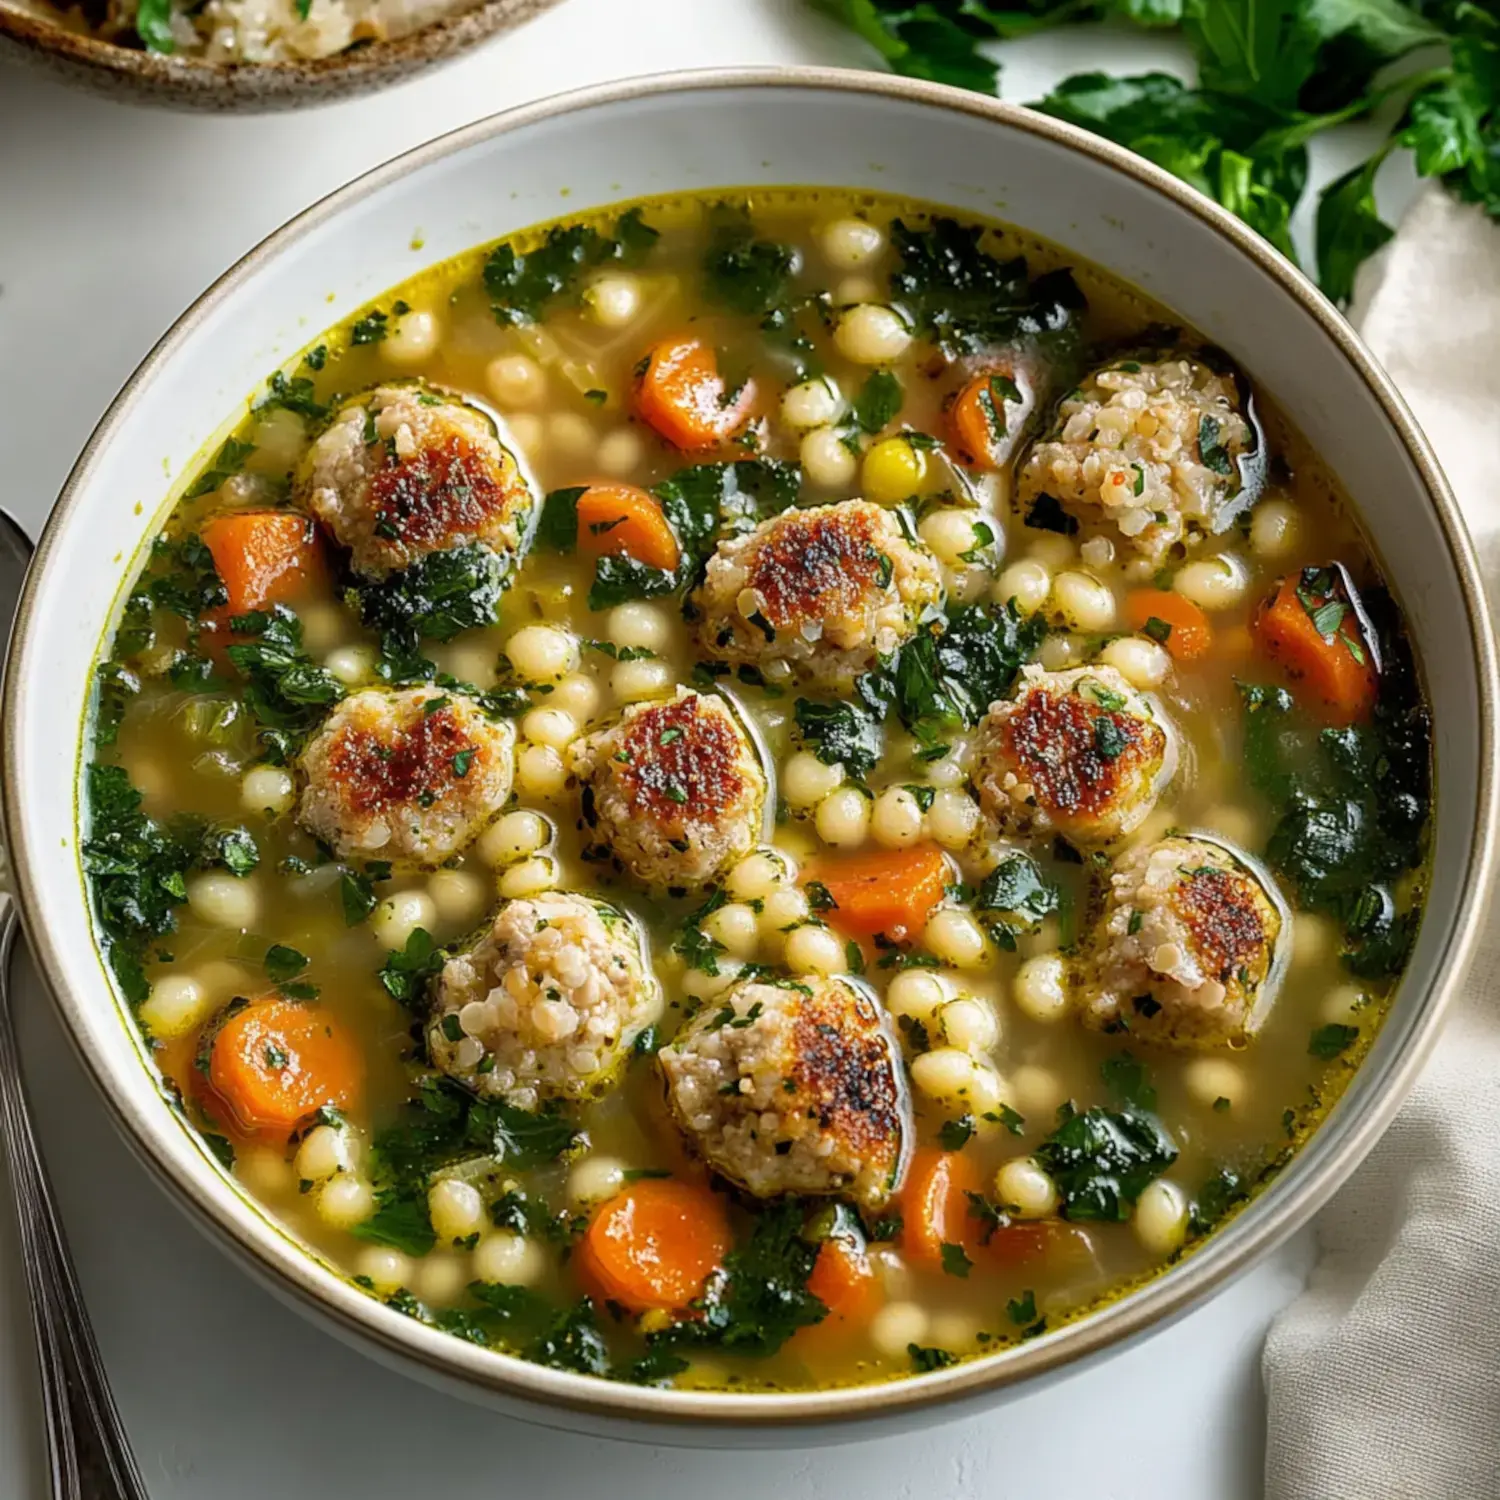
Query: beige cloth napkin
point(1383, 1378)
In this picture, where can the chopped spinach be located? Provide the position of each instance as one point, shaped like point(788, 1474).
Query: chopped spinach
point(1102, 1160)
point(405, 974)
point(522, 287)
point(1331, 1041)
point(748, 275)
point(1014, 898)
point(1215, 1198)
point(285, 689)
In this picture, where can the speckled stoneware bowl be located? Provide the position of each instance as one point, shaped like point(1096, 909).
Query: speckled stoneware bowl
point(177, 82)
point(702, 132)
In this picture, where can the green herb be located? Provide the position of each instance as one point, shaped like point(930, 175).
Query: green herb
point(153, 24)
point(1110, 741)
point(1047, 514)
point(358, 897)
point(1158, 630)
point(878, 402)
point(924, 1360)
point(523, 287)
point(747, 275)
point(370, 329)
point(234, 849)
point(1128, 1082)
point(954, 1134)
point(284, 688)
point(282, 963)
point(400, 1220)
point(573, 1342)
point(956, 1261)
point(619, 578)
point(1215, 1198)
point(1330, 1041)
point(228, 461)
point(294, 393)
point(557, 527)
point(1014, 898)
point(1102, 1160)
point(1022, 1309)
point(405, 974)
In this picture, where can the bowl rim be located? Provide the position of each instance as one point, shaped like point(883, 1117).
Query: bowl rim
point(1226, 1254)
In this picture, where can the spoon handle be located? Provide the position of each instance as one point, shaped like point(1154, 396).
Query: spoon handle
point(87, 1449)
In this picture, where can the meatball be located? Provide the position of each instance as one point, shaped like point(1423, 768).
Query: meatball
point(1079, 753)
point(408, 776)
point(405, 470)
point(1149, 447)
point(825, 591)
point(793, 1086)
point(548, 1004)
point(673, 792)
point(1185, 952)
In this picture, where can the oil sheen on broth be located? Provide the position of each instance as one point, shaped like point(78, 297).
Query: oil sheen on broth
point(837, 838)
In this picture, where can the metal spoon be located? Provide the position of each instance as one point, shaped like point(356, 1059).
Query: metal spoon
point(87, 1450)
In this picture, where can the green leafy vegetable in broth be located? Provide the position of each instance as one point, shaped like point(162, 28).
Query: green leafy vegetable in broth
point(1103, 1160)
point(742, 272)
point(522, 287)
point(284, 688)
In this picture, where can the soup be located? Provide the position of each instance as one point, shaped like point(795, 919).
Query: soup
point(756, 793)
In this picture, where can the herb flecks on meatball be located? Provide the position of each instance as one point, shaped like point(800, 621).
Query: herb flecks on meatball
point(819, 594)
point(405, 470)
point(548, 1004)
point(673, 792)
point(1079, 753)
point(1150, 448)
point(792, 1087)
point(1184, 950)
point(409, 776)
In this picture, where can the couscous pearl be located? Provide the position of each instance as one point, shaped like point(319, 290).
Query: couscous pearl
point(1083, 602)
point(469, 661)
point(1313, 938)
point(1343, 1004)
point(352, 665)
point(412, 339)
point(399, 915)
point(455, 1208)
point(1037, 1091)
point(1026, 583)
point(509, 1258)
point(345, 1200)
point(1141, 662)
point(224, 900)
point(826, 461)
point(387, 1270)
point(736, 926)
point(781, 908)
point(756, 876)
point(595, 1179)
point(813, 403)
point(869, 334)
point(642, 627)
point(969, 1024)
point(1209, 1079)
point(1041, 989)
point(265, 1171)
point(613, 301)
point(1022, 1187)
point(916, 994)
point(1212, 582)
point(956, 1332)
point(1237, 824)
point(949, 533)
point(528, 877)
point(177, 1003)
point(697, 985)
point(814, 950)
point(267, 789)
point(325, 625)
point(325, 1151)
point(513, 836)
point(851, 243)
point(540, 653)
point(577, 695)
point(516, 380)
point(896, 1326)
point(953, 818)
point(892, 471)
point(843, 818)
point(1097, 552)
point(222, 978)
point(570, 436)
point(806, 781)
point(635, 681)
point(526, 432)
point(1161, 1217)
point(280, 436)
point(896, 820)
point(1274, 529)
point(540, 772)
point(945, 1074)
point(621, 452)
point(550, 726)
point(1054, 551)
point(955, 938)
point(439, 1278)
point(458, 896)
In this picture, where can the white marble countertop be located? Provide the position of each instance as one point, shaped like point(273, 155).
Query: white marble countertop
point(112, 218)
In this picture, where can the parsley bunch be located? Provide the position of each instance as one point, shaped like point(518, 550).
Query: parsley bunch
point(1272, 74)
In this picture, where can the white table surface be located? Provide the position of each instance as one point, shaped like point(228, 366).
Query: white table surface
point(112, 218)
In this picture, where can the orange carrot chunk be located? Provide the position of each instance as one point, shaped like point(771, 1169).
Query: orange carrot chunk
point(264, 557)
point(890, 891)
point(935, 1204)
point(1314, 635)
point(1171, 619)
point(682, 395)
point(619, 518)
point(654, 1244)
point(275, 1062)
point(1025, 1241)
point(978, 420)
point(844, 1281)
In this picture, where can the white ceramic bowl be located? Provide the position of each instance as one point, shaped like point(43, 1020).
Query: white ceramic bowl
point(716, 131)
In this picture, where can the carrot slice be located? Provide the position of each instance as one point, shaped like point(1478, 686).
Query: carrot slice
point(264, 557)
point(654, 1244)
point(682, 395)
point(619, 518)
point(935, 1204)
point(978, 422)
point(844, 1281)
point(274, 1062)
point(1172, 619)
point(1317, 640)
point(884, 891)
point(1025, 1241)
